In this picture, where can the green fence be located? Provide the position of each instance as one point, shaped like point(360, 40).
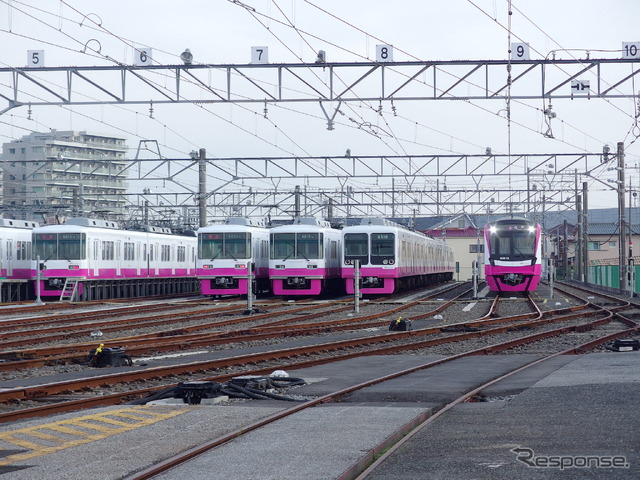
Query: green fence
point(609, 276)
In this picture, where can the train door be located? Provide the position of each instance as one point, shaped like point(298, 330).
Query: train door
point(95, 257)
point(9, 264)
point(118, 257)
point(2, 260)
point(155, 258)
point(173, 258)
point(138, 259)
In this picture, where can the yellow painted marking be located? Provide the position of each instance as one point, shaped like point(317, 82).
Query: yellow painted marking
point(545, 301)
point(94, 426)
point(46, 436)
point(28, 437)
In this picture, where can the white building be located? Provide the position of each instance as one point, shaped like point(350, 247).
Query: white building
point(65, 173)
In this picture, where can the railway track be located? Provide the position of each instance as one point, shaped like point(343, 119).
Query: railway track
point(371, 343)
point(373, 459)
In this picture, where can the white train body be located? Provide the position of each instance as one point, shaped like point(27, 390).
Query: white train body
point(227, 252)
point(304, 257)
point(15, 249)
point(109, 262)
point(392, 257)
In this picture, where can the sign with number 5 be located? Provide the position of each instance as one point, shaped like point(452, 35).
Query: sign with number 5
point(142, 56)
point(35, 58)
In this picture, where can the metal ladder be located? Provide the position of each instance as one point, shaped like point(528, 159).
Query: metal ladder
point(69, 290)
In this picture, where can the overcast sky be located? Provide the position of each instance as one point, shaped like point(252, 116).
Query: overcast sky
point(221, 31)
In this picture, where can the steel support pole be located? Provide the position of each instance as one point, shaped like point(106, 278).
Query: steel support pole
point(202, 171)
point(622, 258)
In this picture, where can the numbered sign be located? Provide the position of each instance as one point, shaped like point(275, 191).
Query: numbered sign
point(631, 50)
point(520, 51)
point(579, 87)
point(384, 53)
point(259, 54)
point(35, 58)
point(142, 57)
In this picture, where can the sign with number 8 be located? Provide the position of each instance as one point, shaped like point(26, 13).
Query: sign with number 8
point(384, 53)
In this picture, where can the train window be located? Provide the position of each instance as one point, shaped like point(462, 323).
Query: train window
point(237, 245)
point(512, 244)
point(227, 245)
point(71, 246)
point(308, 245)
point(282, 245)
point(45, 246)
point(383, 248)
point(356, 247)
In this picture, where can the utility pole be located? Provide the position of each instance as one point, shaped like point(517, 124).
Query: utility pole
point(296, 206)
point(622, 257)
point(585, 232)
point(578, 251)
point(202, 171)
point(565, 252)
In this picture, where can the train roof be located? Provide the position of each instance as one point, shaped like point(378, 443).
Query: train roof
point(12, 223)
point(250, 222)
point(513, 221)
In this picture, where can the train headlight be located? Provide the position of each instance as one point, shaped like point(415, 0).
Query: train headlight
point(493, 229)
point(385, 262)
point(240, 265)
point(74, 267)
point(347, 261)
point(312, 266)
point(206, 267)
point(391, 262)
point(531, 229)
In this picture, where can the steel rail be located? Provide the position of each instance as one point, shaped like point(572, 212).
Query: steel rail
point(391, 445)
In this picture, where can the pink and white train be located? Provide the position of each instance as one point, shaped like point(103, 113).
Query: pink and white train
point(392, 257)
point(227, 252)
point(15, 258)
point(94, 259)
point(305, 258)
point(512, 255)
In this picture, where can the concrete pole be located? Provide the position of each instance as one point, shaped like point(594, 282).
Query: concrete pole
point(585, 232)
point(622, 257)
point(202, 190)
point(578, 253)
point(38, 279)
point(565, 252)
point(296, 198)
point(356, 286)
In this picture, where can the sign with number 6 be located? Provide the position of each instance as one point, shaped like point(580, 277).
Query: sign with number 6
point(142, 56)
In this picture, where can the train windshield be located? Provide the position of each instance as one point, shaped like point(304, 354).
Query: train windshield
point(511, 244)
point(356, 247)
point(224, 245)
point(59, 246)
point(296, 246)
point(382, 248)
